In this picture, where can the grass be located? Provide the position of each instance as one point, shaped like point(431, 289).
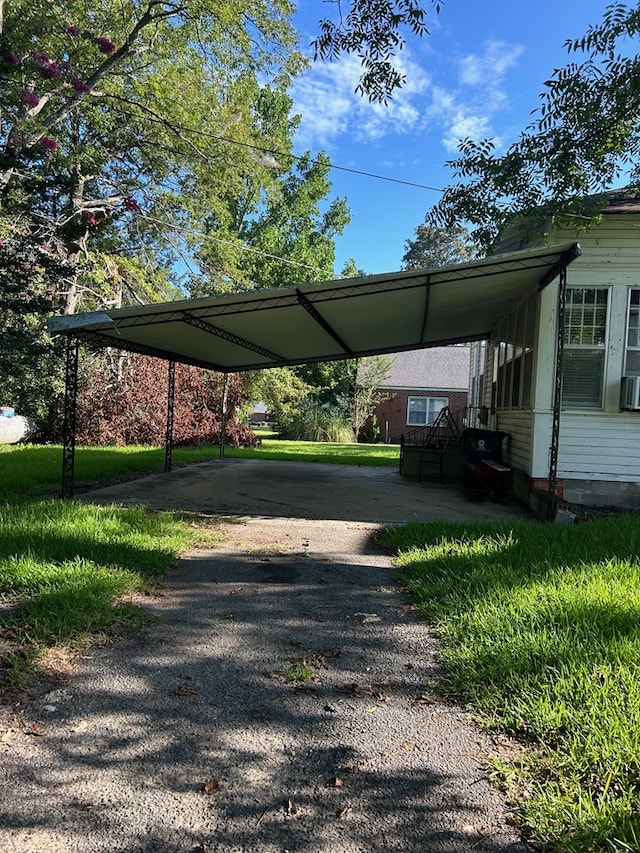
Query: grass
point(36, 470)
point(317, 451)
point(67, 568)
point(541, 639)
point(300, 670)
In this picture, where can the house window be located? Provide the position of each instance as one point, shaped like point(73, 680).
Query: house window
point(632, 353)
point(422, 411)
point(585, 338)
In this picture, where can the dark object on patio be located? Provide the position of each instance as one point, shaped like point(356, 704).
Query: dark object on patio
point(439, 436)
point(482, 452)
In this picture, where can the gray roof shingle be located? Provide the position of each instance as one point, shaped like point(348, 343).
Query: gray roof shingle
point(435, 368)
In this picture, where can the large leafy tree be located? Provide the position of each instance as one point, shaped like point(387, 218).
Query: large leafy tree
point(100, 159)
point(585, 139)
point(92, 143)
point(92, 130)
point(437, 247)
point(269, 224)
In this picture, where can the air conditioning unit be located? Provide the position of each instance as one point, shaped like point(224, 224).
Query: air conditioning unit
point(631, 392)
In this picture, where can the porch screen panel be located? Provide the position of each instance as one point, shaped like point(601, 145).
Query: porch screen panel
point(585, 338)
point(632, 354)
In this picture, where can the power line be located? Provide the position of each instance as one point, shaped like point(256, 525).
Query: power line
point(317, 160)
point(298, 157)
point(239, 246)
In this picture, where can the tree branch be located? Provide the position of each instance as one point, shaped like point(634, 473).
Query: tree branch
point(150, 16)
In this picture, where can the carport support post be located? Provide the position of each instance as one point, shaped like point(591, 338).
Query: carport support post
point(69, 423)
point(552, 499)
point(223, 412)
point(171, 396)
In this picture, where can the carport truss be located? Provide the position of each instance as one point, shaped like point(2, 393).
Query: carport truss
point(326, 321)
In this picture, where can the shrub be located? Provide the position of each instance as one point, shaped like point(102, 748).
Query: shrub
point(122, 399)
point(315, 421)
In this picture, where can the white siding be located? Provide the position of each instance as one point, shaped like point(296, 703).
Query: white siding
point(600, 446)
point(519, 425)
point(611, 258)
point(594, 445)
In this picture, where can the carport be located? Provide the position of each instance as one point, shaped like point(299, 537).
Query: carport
point(325, 321)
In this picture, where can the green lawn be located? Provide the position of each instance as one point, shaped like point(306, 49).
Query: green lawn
point(541, 639)
point(540, 624)
point(65, 567)
point(317, 451)
point(37, 469)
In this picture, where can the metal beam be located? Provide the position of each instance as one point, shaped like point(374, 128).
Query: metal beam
point(69, 424)
point(310, 308)
point(574, 252)
point(205, 326)
point(223, 412)
point(171, 397)
point(552, 499)
point(142, 349)
point(425, 315)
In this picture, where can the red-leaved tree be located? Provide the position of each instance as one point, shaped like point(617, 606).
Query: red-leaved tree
point(124, 401)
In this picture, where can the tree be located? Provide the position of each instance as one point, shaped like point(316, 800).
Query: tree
point(266, 228)
point(436, 247)
point(126, 403)
point(372, 372)
point(281, 389)
point(585, 138)
point(94, 138)
point(30, 361)
point(351, 270)
point(91, 140)
point(100, 161)
point(372, 29)
point(92, 130)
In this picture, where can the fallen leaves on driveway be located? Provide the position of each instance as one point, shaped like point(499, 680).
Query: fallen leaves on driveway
point(211, 786)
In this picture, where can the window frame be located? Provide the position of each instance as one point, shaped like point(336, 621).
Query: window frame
point(632, 348)
point(513, 358)
point(582, 329)
point(428, 398)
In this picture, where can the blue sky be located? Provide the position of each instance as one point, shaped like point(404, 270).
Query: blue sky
point(478, 74)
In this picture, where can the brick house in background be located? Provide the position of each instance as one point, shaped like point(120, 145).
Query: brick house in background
point(422, 382)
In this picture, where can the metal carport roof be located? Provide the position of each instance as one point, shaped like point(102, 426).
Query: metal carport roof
point(328, 320)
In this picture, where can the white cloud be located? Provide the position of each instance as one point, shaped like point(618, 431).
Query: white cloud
point(489, 67)
point(325, 97)
point(464, 107)
point(463, 125)
point(467, 109)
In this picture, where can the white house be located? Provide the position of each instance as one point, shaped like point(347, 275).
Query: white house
point(582, 437)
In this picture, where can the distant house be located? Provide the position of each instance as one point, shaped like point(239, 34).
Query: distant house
point(567, 392)
point(420, 384)
point(260, 415)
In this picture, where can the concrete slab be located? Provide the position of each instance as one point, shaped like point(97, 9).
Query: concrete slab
point(252, 487)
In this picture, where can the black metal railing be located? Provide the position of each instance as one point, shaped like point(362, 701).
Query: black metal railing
point(438, 436)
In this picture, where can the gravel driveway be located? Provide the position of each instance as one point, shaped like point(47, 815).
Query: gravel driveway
point(195, 735)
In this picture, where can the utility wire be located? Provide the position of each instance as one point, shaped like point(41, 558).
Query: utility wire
point(240, 246)
point(284, 154)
